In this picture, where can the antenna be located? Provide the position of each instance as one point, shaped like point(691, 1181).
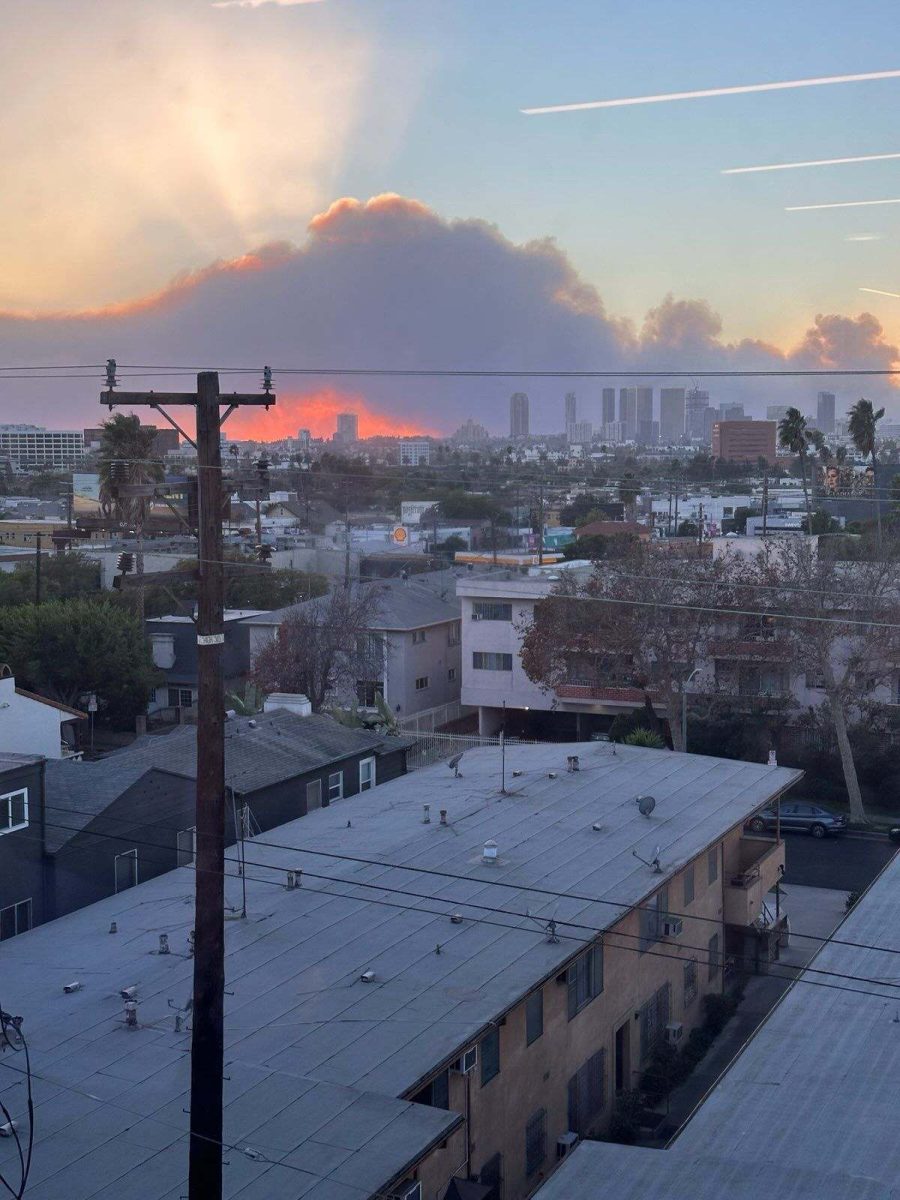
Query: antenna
point(646, 805)
point(654, 863)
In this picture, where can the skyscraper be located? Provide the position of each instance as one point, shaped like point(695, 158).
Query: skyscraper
point(696, 402)
point(825, 412)
point(643, 405)
point(731, 412)
point(571, 414)
point(776, 412)
point(671, 415)
point(628, 412)
point(608, 402)
point(347, 427)
point(518, 415)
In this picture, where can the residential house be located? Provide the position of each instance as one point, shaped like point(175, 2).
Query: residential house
point(173, 642)
point(802, 1110)
point(118, 821)
point(412, 647)
point(479, 978)
point(21, 832)
point(32, 724)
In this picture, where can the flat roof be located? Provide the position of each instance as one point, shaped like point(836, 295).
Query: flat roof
point(812, 1098)
point(297, 1012)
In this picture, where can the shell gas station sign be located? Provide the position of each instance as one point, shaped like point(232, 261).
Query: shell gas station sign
point(400, 535)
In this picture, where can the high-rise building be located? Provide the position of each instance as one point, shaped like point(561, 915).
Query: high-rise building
point(744, 441)
point(731, 412)
point(696, 402)
point(347, 428)
point(608, 406)
point(825, 412)
point(470, 433)
point(32, 444)
point(304, 437)
point(571, 414)
point(776, 412)
point(648, 433)
point(518, 415)
point(643, 404)
point(628, 412)
point(581, 433)
point(671, 415)
point(415, 452)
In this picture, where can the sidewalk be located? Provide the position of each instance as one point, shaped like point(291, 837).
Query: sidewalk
point(815, 911)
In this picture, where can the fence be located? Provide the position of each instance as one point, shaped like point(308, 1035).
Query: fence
point(434, 718)
point(432, 748)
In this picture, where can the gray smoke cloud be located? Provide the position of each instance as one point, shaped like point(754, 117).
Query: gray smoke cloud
point(390, 283)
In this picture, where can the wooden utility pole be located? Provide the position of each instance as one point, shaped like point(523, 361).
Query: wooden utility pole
point(540, 546)
point(207, 1040)
point(765, 504)
point(37, 568)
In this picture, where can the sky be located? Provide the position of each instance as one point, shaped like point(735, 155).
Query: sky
point(199, 183)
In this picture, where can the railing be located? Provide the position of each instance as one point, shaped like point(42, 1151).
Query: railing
point(432, 718)
point(431, 748)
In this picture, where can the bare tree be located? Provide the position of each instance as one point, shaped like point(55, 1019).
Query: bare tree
point(643, 622)
point(837, 621)
point(323, 647)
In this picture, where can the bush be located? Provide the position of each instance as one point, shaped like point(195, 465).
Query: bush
point(647, 738)
point(699, 1041)
point(665, 1071)
point(718, 1009)
point(625, 1125)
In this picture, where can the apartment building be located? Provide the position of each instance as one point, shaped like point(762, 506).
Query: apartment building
point(384, 1044)
point(32, 445)
point(744, 441)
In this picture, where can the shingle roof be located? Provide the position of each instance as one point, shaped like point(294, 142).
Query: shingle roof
point(297, 1011)
point(406, 604)
point(259, 752)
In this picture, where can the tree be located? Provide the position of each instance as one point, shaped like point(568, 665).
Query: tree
point(863, 428)
point(254, 588)
point(629, 491)
point(324, 647)
point(794, 436)
point(128, 472)
point(63, 577)
point(642, 622)
point(836, 621)
point(65, 648)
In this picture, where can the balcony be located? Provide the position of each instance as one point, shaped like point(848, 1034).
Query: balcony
point(588, 693)
point(759, 868)
point(748, 649)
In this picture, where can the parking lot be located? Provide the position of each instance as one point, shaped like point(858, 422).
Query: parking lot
point(847, 862)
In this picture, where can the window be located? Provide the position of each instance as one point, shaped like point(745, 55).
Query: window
point(15, 919)
point(436, 1094)
point(535, 1141)
point(690, 981)
point(489, 1051)
point(584, 979)
point(418, 636)
point(180, 698)
point(491, 1176)
point(453, 633)
point(534, 1016)
point(653, 914)
point(451, 675)
point(688, 879)
point(487, 660)
point(367, 693)
point(186, 846)
point(654, 1019)
point(13, 811)
point(814, 680)
point(713, 957)
point(712, 865)
point(336, 786)
point(421, 683)
point(126, 870)
point(314, 795)
point(491, 610)
point(366, 774)
point(587, 1089)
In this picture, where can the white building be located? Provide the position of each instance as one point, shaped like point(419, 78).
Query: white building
point(415, 452)
point(34, 444)
point(31, 724)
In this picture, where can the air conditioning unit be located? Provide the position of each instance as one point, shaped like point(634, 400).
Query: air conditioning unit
point(410, 1189)
point(672, 927)
point(476, 616)
point(468, 1062)
point(674, 1033)
point(565, 1143)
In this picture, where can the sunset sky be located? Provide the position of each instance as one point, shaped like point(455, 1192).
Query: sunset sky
point(148, 141)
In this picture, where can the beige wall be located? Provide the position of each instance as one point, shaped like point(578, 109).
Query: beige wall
point(538, 1075)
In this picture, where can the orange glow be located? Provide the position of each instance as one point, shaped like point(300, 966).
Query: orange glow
point(317, 411)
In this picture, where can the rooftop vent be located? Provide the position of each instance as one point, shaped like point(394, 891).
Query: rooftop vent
point(572, 763)
point(294, 702)
point(367, 977)
point(646, 805)
point(164, 943)
point(426, 816)
point(489, 853)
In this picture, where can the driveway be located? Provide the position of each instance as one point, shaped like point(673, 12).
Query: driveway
point(847, 863)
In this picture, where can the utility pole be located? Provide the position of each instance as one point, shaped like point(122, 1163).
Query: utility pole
point(346, 547)
point(765, 503)
point(37, 568)
point(207, 1040)
point(541, 524)
point(676, 508)
point(700, 530)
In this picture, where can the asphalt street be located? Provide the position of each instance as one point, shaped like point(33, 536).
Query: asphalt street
point(849, 863)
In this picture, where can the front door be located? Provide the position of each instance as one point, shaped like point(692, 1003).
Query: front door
point(623, 1059)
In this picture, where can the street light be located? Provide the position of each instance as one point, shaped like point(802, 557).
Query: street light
point(690, 679)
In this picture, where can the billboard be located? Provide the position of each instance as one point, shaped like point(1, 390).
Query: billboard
point(841, 479)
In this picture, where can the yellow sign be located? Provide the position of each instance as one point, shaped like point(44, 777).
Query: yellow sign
point(400, 535)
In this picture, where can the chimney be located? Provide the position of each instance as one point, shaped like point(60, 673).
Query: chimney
point(294, 702)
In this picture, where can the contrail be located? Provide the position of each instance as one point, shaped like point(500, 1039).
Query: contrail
point(879, 292)
point(624, 102)
point(813, 162)
point(842, 204)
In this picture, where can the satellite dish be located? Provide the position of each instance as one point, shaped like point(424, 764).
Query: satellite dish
point(646, 805)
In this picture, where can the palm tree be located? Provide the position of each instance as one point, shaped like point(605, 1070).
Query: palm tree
point(863, 430)
point(127, 474)
point(793, 436)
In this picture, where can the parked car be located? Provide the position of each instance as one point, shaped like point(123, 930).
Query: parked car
point(801, 816)
point(894, 833)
